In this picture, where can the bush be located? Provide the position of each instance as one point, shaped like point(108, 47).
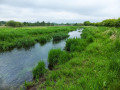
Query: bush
point(39, 70)
point(53, 56)
point(14, 24)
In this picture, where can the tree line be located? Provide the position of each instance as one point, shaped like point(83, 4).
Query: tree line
point(43, 23)
point(107, 22)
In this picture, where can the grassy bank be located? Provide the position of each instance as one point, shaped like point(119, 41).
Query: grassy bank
point(27, 36)
point(93, 63)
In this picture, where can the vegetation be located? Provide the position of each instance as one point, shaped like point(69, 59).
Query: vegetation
point(87, 23)
point(53, 56)
point(14, 24)
point(92, 63)
point(107, 22)
point(27, 36)
point(39, 70)
point(60, 36)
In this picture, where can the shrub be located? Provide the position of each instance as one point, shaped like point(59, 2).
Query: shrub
point(14, 23)
point(87, 23)
point(53, 56)
point(39, 70)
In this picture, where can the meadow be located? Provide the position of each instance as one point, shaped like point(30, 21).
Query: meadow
point(25, 37)
point(89, 63)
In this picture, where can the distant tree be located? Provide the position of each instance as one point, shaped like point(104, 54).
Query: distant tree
point(118, 22)
point(48, 24)
point(0, 24)
point(109, 22)
point(14, 23)
point(87, 23)
point(42, 23)
point(75, 24)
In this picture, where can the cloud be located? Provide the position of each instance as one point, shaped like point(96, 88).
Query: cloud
point(59, 11)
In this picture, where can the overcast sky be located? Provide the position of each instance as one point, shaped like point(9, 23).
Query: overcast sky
point(59, 10)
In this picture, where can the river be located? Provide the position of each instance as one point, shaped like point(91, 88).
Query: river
point(16, 65)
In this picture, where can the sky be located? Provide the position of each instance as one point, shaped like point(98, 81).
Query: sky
point(59, 11)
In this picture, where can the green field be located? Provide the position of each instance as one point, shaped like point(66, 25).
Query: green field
point(89, 63)
point(27, 36)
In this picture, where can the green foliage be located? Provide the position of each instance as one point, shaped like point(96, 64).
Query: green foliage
point(28, 84)
point(64, 57)
point(108, 22)
point(97, 67)
point(53, 56)
point(14, 24)
point(39, 70)
point(87, 23)
point(75, 44)
point(27, 36)
point(42, 40)
point(24, 42)
point(117, 44)
point(114, 65)
point(90, 39)
point(60, 36)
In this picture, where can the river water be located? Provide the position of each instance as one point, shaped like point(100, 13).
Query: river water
point(16, 65)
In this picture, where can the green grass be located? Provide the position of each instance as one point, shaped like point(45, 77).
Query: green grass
point(94, 62)
point(39, 70)
point(57, 56)
point(60, 36)
point(28, 36)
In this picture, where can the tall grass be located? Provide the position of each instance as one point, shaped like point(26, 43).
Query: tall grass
point(39, 70)
point(89, 63)
point(75, 44)
point(27, 36)
point(53, 56)
point(60, 36)
point(57, 56)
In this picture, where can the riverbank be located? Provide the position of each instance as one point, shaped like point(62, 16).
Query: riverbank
point(94, 63)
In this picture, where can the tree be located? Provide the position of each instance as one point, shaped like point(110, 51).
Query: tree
point(14, 23)
point(42, 23)
point(118, 22)
point(87, 23)
point(109, 22)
